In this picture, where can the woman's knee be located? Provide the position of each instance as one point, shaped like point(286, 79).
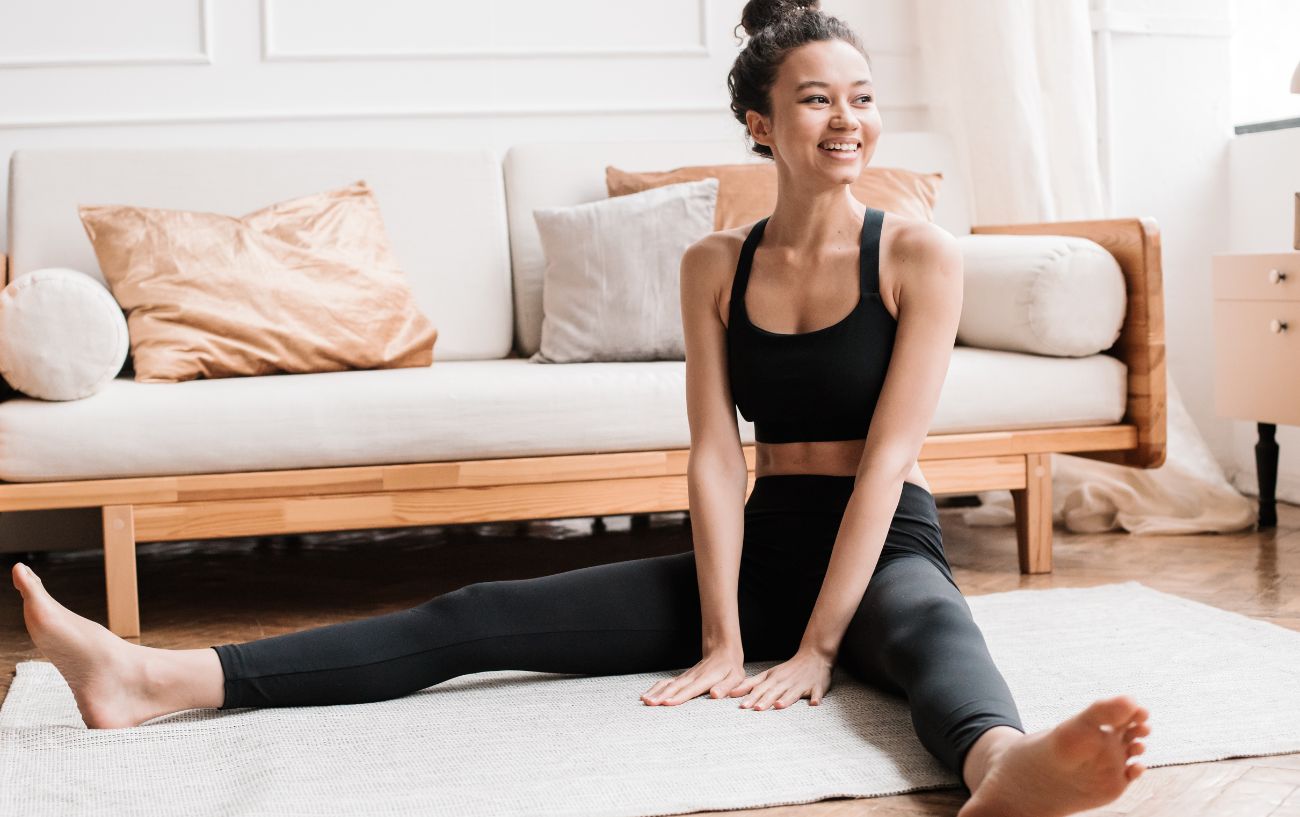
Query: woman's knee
point(913, 607)
point(921, 622)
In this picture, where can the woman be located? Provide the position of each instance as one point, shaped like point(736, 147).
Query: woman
point(837, 554)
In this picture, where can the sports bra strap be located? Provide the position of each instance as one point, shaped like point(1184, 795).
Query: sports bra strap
point(740, 280)
point(869, 262)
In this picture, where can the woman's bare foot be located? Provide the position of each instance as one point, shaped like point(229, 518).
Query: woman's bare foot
point(115, 683)
point(1079, 764)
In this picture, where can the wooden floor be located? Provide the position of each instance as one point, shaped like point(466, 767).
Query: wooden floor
point(197, 594)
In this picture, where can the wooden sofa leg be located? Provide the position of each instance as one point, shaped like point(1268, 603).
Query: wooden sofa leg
point(119, 571)
point(1033, 505)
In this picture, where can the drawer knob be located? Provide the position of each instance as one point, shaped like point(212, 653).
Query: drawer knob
point(1276, 325)
point(1276, 276)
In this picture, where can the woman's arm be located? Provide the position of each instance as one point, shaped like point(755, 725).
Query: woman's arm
point(929, 308)
point(717, 498)
point(716, 471)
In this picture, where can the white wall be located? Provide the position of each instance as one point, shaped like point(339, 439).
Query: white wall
point(1265, 51)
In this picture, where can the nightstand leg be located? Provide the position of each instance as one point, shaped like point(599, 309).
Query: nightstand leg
point(1266, 468)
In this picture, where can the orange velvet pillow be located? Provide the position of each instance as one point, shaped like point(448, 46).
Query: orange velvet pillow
point(305, 285)
point(747, 192)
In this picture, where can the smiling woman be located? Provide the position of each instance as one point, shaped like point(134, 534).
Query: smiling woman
point(832, 322)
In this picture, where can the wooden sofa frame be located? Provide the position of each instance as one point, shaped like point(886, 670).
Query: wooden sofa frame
point(173, 508)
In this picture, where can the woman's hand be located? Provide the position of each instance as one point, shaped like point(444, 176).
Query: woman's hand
point(806, 675)
point(716, 673)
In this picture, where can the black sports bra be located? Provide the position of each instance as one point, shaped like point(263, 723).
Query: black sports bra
point(818, 385)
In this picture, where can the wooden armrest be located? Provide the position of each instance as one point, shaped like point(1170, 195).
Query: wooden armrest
point(1135, 243)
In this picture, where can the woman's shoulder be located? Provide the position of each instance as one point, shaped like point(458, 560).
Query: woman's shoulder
point(911, 249)
point(711, 265)
point(909, 236)
point(716, 254)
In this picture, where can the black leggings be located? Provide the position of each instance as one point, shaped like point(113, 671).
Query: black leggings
point(912, 635)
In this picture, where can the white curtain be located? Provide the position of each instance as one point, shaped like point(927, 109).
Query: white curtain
point(1013, 83)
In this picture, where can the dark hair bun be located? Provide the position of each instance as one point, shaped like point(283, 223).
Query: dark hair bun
point(759, 14)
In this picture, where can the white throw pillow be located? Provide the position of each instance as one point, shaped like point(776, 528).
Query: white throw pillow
point(62, 335)
point(611, 288)
point(1056, 295)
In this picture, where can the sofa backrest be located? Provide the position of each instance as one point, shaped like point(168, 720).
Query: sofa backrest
point(558, 174)
point(444, 211)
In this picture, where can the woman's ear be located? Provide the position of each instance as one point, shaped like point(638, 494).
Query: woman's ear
point(758, 128)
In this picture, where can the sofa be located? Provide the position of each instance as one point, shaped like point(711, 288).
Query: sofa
point(483, 434)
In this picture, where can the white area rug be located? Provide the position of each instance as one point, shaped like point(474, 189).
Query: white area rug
point(1217, 685)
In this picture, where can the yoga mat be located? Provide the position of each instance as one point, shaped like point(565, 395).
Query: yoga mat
point(1217, 685)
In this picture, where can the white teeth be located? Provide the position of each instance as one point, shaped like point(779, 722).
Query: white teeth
point(839, 146)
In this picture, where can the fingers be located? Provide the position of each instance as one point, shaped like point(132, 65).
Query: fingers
point(770, 697)
point(747, 685)
point(774, 696)
point(688, 685)
point(765, 690)
point(675, 690)
point(769, 693)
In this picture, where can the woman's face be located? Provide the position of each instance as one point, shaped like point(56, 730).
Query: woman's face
point(819, 97)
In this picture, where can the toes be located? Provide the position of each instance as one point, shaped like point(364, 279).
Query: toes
point(1134, 732)
point(1133, 771)
point(24, 578)
point(1136, 748)
point(1112, 714)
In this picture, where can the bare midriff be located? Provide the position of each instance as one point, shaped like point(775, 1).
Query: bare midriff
point(835, 457)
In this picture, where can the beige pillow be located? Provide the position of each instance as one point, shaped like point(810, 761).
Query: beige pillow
point(747, 191)
point(305, 285)
point(611, 290)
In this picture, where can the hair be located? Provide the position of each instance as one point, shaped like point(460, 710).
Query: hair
point(775, 28)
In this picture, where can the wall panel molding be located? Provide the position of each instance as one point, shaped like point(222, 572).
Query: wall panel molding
point(202, 56)
point(270, 53)
point(16, 123)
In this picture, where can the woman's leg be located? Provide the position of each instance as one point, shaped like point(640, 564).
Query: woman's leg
point(914, 635)
point(633, 616)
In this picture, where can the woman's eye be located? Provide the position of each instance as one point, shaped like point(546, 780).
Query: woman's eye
point(823, 99)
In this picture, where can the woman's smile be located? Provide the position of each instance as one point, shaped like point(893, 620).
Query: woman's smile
point(840, 153)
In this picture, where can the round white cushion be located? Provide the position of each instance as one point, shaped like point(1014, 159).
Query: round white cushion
point(1055, 295)
point(62, 335)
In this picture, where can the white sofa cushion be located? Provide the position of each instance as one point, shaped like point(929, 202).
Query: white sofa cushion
point(444, 210)
point(612, 285)
point(1043, 294)
point(62, 336)
point(467, 410)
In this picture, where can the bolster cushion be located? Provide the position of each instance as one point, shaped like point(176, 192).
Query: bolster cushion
point(1055, 295)
point(62, 335)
